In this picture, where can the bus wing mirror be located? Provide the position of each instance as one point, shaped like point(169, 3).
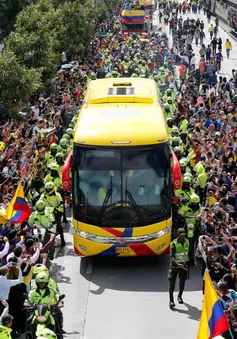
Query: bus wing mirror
point(176, 172)
point(66, 180)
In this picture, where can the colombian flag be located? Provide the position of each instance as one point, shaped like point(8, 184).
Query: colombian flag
point(213, 320)
point(134, 16)
point(18, 210)
point(148, 4)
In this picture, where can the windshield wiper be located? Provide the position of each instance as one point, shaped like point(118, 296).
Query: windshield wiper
point(157, 216)
point(139, 212)
point(105, 202)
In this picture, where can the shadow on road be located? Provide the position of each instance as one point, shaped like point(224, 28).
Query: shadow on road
point(146, 274)
point(191, 311)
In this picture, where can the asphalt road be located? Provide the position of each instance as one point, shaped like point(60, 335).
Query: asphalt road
point(123, 298)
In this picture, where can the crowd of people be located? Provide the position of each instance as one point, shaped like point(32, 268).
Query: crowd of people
point(200, 109)
point(203, 106)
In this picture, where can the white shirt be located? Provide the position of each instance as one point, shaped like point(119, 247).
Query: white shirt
point(11, 255)
point(213, 90)
point(6, 284)
point(36, 111)
point(35, 129)
point(6, 170)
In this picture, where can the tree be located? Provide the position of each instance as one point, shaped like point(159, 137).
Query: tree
point(73, 28)
point(16, 81)
point(34, 40)
point(8, 12)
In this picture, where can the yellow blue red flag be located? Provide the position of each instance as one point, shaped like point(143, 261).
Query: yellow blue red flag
point(18, 209)
point(213, 320)
point(134, 16)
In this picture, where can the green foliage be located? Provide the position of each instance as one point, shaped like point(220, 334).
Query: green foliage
point(8, 12)
point(73, 28)
point(105, 7)
point(33, 41)
point(16, 81)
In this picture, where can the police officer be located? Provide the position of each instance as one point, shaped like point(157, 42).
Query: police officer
point(179, 258)
point(191, 213)
point(64, 147)
point(41, 271)
point(50, 156)
point(55, 177)
point(40, 216)
point(38, 268)
point(42, 294)
point(5, 326)
point(54, 200)
point(60, 160)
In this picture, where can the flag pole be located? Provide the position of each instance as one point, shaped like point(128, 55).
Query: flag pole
point(231, 334)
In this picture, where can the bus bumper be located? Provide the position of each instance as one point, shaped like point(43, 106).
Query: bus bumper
point(155, 247)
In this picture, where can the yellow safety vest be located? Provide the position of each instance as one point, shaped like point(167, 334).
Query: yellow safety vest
point(5, 332)
point(181, 251)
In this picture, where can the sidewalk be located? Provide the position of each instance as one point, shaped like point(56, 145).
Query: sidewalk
point(227, 29)
point(227, 64)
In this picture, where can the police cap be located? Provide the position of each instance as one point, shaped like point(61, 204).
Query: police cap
point(181, 231)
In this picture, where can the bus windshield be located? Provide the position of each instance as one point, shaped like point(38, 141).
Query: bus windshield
point(122, 186)
point(135, 26)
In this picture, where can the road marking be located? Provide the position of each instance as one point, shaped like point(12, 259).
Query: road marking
point(89, 266)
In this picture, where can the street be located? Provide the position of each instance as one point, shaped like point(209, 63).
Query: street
point(123, 298)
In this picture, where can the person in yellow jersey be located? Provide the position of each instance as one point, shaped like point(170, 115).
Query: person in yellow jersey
point(201, 182)
point(179, 261)
point(228, 47)
point(211, 31)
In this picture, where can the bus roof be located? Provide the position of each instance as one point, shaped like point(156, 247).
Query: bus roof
point(121, 111)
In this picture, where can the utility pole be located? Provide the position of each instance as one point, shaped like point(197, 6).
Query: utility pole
point(96, 3)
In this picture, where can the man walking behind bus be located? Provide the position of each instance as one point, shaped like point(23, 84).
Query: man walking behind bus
point(179, 258)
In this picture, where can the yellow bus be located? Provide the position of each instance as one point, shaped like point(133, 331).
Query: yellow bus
point(121, 168)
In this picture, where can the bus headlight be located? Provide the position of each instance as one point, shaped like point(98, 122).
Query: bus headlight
point(161, 233)
point(93, 237)
point(117, 240)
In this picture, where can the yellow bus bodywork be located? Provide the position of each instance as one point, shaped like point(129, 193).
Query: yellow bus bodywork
point(134, 118)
